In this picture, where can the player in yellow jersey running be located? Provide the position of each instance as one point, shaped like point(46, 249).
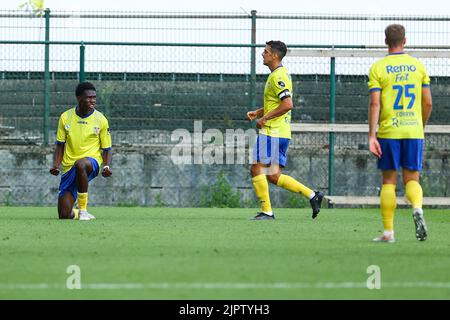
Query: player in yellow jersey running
point(83, 143)
point(400, 102)
point(270, 152)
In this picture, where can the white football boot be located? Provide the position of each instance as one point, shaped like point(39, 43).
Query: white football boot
point(385, 237)
point(84, 215)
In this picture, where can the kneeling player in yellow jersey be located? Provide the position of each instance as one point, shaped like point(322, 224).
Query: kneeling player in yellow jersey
point(400, 98)
point(270, 152)
point(83, 144)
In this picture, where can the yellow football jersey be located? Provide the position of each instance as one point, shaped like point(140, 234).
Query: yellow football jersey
point(83, 137)
point(400, 78)
point(278, 87)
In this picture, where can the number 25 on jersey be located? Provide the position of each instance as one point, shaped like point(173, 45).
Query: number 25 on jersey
point(406, 90)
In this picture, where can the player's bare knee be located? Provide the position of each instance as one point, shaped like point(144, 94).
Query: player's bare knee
point(80, 165)
point(254, 170)
point(65, 214)
point(273, 178)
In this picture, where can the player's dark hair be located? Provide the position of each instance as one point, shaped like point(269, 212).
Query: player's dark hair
point(82, 87)
point(395, 35)
point(278, 48)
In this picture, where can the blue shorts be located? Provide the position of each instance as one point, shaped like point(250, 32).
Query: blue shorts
point(405, 153)
point(69, 181)
point(268, 150)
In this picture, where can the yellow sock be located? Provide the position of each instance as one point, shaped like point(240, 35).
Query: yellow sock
point(75, 212)
point(293, 185)
point(261, 187)
point(414, 194)
point(82, 201)
point(388, 203)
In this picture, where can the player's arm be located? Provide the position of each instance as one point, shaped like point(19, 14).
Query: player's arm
point(59, 150)
point(107, 156)
point(285, 106)
point(105, 144)
point(426, 105)
point(57, 158)
point(374, 114)
point(251, 115)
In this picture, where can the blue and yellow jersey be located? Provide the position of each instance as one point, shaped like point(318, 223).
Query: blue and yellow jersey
point(278, 87)
point(83, 137)
point(400, 79)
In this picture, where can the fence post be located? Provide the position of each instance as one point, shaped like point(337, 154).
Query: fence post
point(82, 74)
point(253, 63)
point(47, 77)
point(332, 120)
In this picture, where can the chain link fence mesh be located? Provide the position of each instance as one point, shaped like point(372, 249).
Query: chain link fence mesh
point(178, 68)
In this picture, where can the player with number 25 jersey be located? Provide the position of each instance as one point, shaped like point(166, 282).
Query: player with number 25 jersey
point(400, 105)
point(400, 78)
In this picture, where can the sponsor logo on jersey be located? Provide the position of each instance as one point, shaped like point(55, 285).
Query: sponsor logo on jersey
point(395, 122)
point(400, 68)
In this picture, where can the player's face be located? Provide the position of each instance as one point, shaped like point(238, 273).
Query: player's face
point(267, 55)
point(88, 99)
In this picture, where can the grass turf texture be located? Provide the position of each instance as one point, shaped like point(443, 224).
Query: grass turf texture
point(193, 253)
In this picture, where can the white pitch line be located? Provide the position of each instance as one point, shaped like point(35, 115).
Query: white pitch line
point(213, 285)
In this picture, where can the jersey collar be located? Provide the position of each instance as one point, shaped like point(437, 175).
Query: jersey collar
point(76, 111)
point(280, 66)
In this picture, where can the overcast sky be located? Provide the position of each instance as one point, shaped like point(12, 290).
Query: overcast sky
point(389, 7)
point(290, 31)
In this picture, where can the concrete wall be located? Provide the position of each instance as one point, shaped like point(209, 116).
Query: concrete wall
point(146, 176)
point(143, 171)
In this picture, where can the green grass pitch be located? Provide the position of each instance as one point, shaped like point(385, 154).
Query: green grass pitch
point(200, 253)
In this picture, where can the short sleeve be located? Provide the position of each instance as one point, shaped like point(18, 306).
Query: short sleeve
point(61, 131)
point(280, 87)
point(425, 78)
point(374, 83)
point(105, 135)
